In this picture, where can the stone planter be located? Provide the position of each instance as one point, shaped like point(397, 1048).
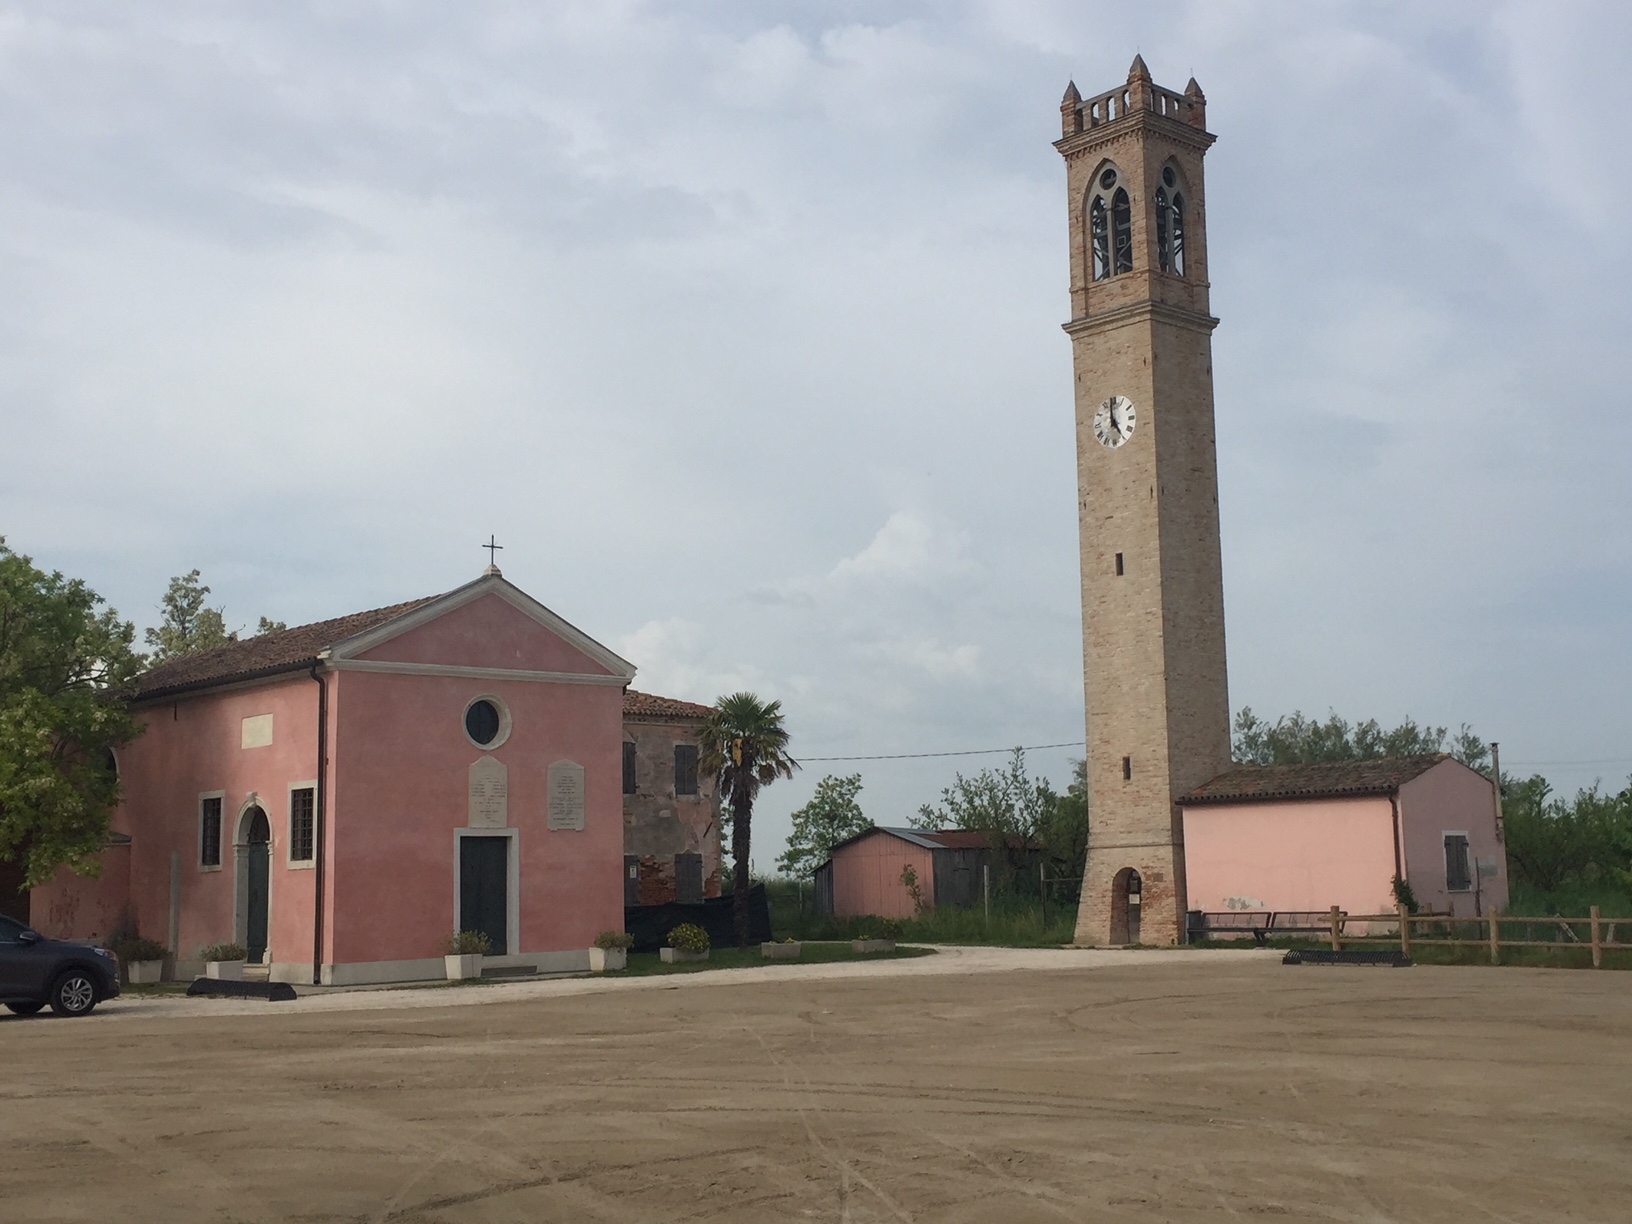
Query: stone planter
point(144, 973)
point(872, 945)
point(673, 956)
point(460, 968)
point(780, 951)
point(224, 971)
point(603, 959)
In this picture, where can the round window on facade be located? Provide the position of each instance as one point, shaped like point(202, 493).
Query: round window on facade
point(1168, 176)
point(487, 722)
point(1107, 180)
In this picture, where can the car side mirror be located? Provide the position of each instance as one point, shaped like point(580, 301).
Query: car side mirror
point(28, 937)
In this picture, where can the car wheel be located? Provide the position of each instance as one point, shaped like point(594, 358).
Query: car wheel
point(74, 994)
point(25, 1009)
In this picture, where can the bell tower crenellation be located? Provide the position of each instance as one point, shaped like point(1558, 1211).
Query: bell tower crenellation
point(1152, 583)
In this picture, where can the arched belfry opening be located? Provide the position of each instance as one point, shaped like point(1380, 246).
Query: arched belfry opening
point(1170, 220)
point(1127, 891)
point(1110, 224)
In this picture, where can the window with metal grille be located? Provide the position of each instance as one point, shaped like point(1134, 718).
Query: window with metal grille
point(1122, 231)
point(302, 821)
point(685, 769)
point(628, 767)
point(1458, 878)
point(209, 833)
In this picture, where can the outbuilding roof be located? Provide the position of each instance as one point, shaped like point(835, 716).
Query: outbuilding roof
point(1317, 780)
point(939, 839)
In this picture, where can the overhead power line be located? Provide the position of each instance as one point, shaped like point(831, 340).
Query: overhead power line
point(918, 756)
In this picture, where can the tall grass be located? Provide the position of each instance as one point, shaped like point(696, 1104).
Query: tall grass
point(1014, 922)
point(1570, 900)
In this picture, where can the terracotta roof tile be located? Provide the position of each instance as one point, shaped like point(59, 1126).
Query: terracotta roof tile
point(1323, 779)
point(647, 705)
point(265, 654)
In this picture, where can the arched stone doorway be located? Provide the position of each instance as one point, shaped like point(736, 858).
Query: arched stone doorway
point(254, 847)
point(1126, 896)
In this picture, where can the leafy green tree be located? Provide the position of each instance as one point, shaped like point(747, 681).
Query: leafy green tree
point(1015, 811)
point(188, 625)
point(1295, 739)
point(1555, 843)
point(831, 816)
point(66, 666)
point(270, 626)
point(744, 744)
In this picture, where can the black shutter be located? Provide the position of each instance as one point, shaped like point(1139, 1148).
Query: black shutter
point(628, 767)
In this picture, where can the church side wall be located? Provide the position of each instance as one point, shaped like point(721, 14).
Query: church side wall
point(69, 906)
point(659, 824)
point(401, 795)
point(1291, 855)
point(195, 746)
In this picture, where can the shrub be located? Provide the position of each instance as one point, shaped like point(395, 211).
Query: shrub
point(469, 943)
point(689, 937)
point(610, 940)
point(135, 948)
point(224, 952)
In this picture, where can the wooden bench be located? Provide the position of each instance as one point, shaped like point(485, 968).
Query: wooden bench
point(1260, 924)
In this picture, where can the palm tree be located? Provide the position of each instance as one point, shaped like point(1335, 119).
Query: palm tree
point(744, 745)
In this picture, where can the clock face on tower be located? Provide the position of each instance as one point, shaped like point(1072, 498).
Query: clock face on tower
point(1113, 422)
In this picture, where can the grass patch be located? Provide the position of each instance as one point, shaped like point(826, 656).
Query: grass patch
point(647, 964)
point(1015, 922)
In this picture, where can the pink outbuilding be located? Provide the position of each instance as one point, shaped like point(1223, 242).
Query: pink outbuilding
point(1303, 838)
point(341, 797)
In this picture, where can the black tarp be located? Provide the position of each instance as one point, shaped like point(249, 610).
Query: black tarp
point(651, 924)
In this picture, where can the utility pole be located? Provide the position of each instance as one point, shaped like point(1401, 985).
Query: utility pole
point(1496, 775)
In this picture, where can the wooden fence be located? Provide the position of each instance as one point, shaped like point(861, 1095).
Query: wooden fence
point(1601, 932)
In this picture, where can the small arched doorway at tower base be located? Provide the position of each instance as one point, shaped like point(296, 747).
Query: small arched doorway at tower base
point(1126, 896)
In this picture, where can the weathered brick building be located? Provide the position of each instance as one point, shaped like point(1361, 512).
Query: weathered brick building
point(671, 811)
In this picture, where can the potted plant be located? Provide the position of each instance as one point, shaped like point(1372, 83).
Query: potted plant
point(788, 949)
point(143, 959)
point(464, 955)
point(611, 951)
point(687, 942)
point(224, 961)
point(881, 939)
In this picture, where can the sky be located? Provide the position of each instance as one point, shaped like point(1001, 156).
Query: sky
point(739, 326)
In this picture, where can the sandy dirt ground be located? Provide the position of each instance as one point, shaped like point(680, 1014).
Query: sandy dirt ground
point(984, 1086)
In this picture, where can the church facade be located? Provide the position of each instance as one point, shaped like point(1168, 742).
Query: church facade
point(341, 797)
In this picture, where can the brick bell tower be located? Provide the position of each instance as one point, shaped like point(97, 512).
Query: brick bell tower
point(1158, 709)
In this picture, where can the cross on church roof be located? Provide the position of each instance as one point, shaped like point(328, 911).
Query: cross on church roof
point(493, 549)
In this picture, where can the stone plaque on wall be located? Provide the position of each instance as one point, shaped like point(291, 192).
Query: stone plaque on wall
point(566, 802)
point(489, 794)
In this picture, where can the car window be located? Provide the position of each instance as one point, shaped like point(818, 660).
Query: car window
point(10, 928)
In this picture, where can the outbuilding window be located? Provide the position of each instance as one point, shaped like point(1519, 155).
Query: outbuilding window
point(1458, 876)
point(628, 767)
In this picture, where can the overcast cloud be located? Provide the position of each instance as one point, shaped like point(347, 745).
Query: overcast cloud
point(739, 325)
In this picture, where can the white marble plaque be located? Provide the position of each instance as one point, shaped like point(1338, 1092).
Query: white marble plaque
point(566, 784)
point(489, 794)
point(256, 731)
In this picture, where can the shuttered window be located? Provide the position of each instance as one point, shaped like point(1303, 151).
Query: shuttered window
point(1458, 878)
point(209, 833)
point(685, 769)
point(628, 767)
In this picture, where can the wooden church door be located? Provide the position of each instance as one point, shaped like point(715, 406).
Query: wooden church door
point(257, 871)
point(484, 903)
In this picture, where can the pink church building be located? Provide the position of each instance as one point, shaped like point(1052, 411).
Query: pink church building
point(341, 797)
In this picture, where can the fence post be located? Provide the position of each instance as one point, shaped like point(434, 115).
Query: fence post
point(1337, 929)
point(986, 892)
point(1042, 888)
point(1495, 936)
point(1405, 930)
point(1597, 941)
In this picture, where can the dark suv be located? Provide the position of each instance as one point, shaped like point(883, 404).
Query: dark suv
point(35, 971)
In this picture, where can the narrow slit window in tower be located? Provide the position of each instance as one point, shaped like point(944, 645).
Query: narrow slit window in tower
point(1127, 769)
point(1122, 231)
point(1119, 565)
